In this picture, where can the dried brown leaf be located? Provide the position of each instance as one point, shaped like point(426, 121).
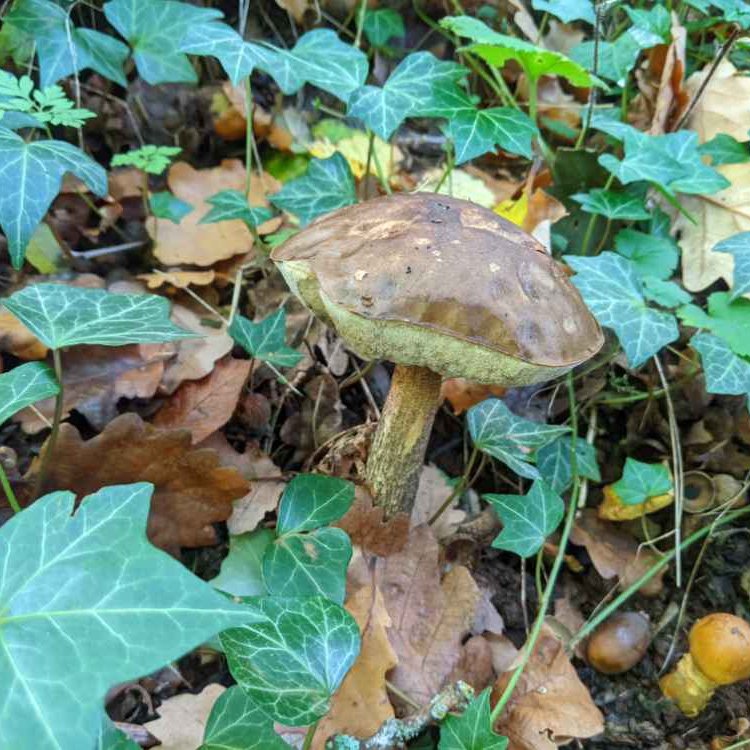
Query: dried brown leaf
point(177, 278)
point(433, 491)
point(463, 394)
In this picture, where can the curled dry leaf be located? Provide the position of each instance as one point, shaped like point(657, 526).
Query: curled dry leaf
point(550, 705)
point(433, 491)
point(462, 394)
point(431, 617)
point(203, 406)
point(177, 278)
point(361, 704)
point(192, 490)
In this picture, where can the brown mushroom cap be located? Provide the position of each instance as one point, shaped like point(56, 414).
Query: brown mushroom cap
point(423, 279)
point(619, 643)
point(720, 647)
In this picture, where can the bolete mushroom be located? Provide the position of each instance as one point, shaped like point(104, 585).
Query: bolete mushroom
point(719, 655)
point(443, 288)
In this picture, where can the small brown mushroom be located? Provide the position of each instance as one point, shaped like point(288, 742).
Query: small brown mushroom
point(443, 288)
point(618, 644)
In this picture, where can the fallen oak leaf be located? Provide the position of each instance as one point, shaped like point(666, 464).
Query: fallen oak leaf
point(177, 278)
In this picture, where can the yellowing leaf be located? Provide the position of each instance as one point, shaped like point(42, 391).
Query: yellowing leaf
point(613, 509)
point(514, 210)
point(354, 149)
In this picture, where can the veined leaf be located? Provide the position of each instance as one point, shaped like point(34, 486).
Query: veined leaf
point(64, 49)
point(724, 149)
point(567, 10)
point(311, 501)
point(651, 255)
point(664, 293)
point(612, 204)
point(241, 571)
point(554, 462)
point(327, 185)
point(232, 204)
point(60, 315)
point(726, 373)
point(154, 29)
point(111, 738)
point(613, 292)
point(496, 430)
point(25, 385)
point(738, 246)
point(265, 340)
point(527, 519)
point(641, 481)
point(292, 662)
point(382, 25)
point(472, 730)
point(79, 615)
point(727, 319)
point(30, 177)
point(149, 158)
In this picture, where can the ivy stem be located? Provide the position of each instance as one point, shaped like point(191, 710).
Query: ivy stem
point(5, 483)
point(309, 736)
point(533, 96)
point(360, 23)
point(449, 165)
point(593, 221)
point(536, 630)
point(370, 149)
point(248, 134)
point(56, 420)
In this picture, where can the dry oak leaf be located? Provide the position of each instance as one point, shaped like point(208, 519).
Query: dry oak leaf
point(177, 278)
point(204, 406)
point(96, 377)
point(434, 490)
point(192, 490)
point(361, 704)
point(462, 394)
point(550, 705)
point(431, 617)
point(205, 244)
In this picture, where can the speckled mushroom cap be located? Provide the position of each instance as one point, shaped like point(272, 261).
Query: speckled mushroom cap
point(423, 279)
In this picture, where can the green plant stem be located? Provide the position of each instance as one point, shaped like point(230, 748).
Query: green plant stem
point(459, 489)
point(554, 573)
point(616, 603)
point(449, 165)
point(533, 96)
point(360, 23)
point(593, 221)
point(737, 745)
point(370, 149)
point(379, 170)
point(5, 483)
point(309, 736)
point(56, 420)
point(248, 134)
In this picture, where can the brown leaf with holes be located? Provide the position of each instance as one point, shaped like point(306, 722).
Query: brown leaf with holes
point(192, 490)
point(550, 705)
point(203, 406)
point(361, 704)
point(432, 614)
point(364, 524)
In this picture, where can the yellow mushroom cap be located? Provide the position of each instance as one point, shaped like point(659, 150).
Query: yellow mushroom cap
point(720, 647)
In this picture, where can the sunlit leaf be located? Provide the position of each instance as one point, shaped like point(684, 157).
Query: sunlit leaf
point(472, 730)
point(738, 246)
point(656, 19)
point(266, 339)
point(726, 373)
point(612, 204)
point(727, 319)
point(25, 385)
point(554, 462)
point(311, 501)
point(641, 481)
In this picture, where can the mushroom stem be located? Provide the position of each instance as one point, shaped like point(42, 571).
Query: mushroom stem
point(688, 687)
point(398, 449)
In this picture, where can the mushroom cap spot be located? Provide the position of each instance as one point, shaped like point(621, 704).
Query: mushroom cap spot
point(720, 647)
point(428, 289)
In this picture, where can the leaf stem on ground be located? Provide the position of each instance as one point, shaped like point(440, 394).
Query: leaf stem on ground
point(5, 483)
point(49, 447)
point(309, 736)
point(593, 221)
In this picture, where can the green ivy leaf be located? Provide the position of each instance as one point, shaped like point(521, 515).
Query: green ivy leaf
point(60, 315)
point(497, 49)
point(724, 149)
point(527, 519)
point(30, 177)
point(726, 373)
point(166, 205)
point(729, 320)
point(382, 25)
point(265, 340)
point(641, 481)
point(327, 185)
point(154, 29)
point(567, 10)
point(657, 20)
point(311, 501)
point(496, 430)
point(554, 462)
point(150, 158)
point(612, 204)
point(410, 91)
point(111, 738)
point(472, 730)
point(64, 49)
point(241, 571)
point(232, 204)
point(236, 723)
point(85, 606)
point(613, 292)
point(292, 662)
point(650, 255)
point(664, 293)
point(25, 385)
point(738, 246)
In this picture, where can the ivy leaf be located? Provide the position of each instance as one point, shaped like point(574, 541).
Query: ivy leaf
point(64, 49)
point(265, 340)
point(60, 315)
point(497, 49)
point(641, 481)
point(472, 730)
point(68, 582)
point(729, 320)
point(656, 20)
point(724, 149)
point(664, 293)
point(738, 246)
point(236, 723)
point(496, 430)
point(25, 385)
point(327, 185)
point(382, 25)
point(292, 662)
point(612, 204)
point(567, 10)
point(30, 177)
point(554, 462)
point(111, 738)
point(527, 519)
point(232, 204)
point(726, 373)
point(410, 91)
point(241, 571)
point(166, 205)
point(305, 559)
point(650, 255)
point(613, 292)
point(154, 29)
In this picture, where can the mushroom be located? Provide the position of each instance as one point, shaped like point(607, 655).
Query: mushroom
point(618, 644)
point(443, 288)
point(719, 655)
